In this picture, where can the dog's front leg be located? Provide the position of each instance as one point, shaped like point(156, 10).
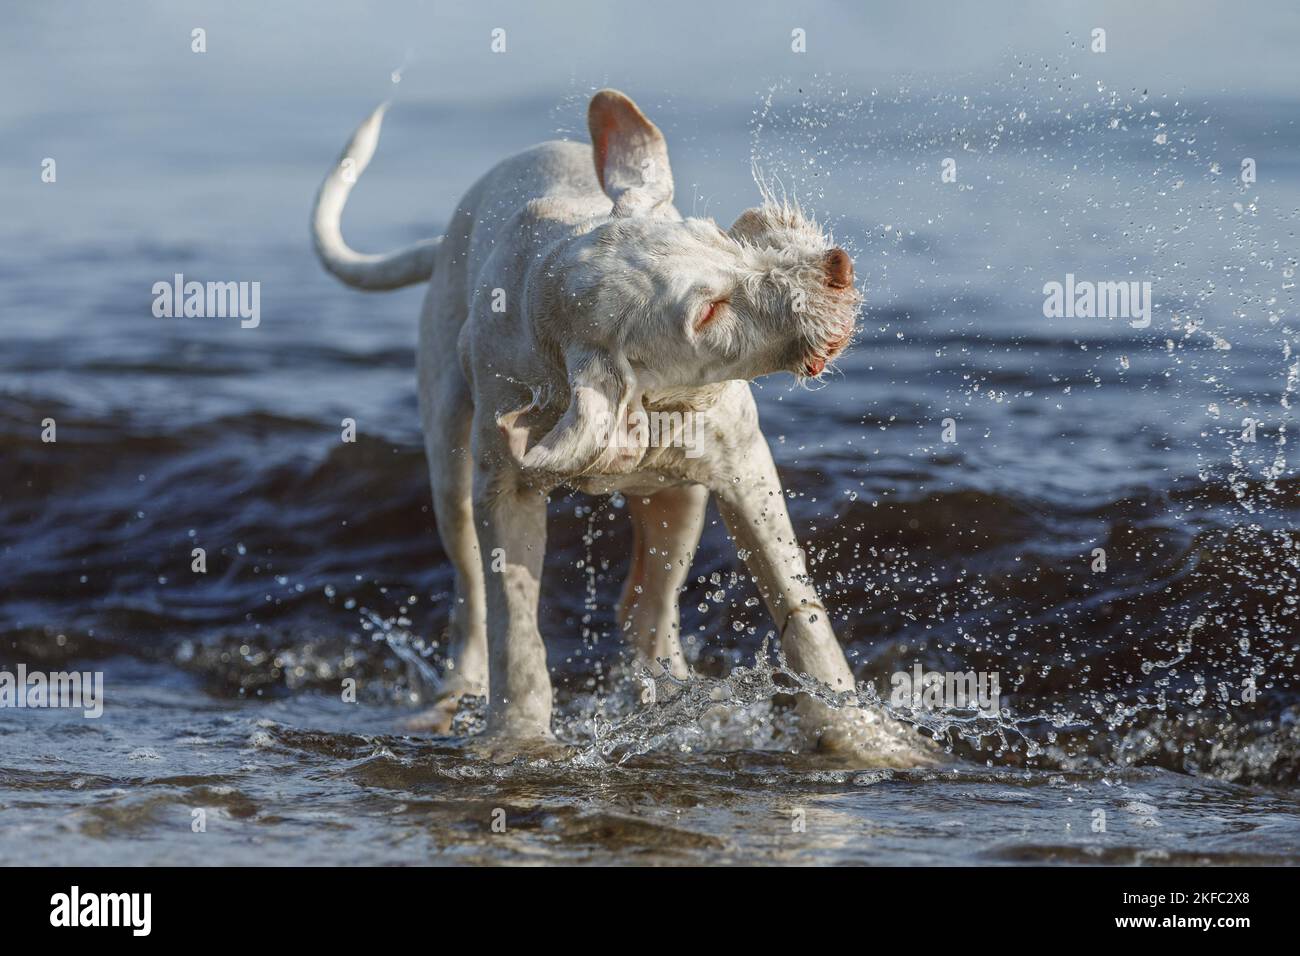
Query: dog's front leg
point(512, 540)
point(753, 506)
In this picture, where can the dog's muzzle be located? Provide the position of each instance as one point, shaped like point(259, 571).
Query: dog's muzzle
point(838, 268)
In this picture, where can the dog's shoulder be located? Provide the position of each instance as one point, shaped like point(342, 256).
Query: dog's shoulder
point(558, 170)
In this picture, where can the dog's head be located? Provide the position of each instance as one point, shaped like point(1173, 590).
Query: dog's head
point(652, 301)
point(695, 304)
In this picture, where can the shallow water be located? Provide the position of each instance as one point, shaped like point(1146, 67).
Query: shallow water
point(314, 781)
point(1127, 691)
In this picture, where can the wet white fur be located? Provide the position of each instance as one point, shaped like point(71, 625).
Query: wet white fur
point(603, 285)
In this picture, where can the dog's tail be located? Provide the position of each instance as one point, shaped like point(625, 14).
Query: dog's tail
point(391, 270)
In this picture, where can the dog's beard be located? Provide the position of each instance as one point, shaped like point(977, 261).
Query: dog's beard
point(826, 328)
point(787, 255)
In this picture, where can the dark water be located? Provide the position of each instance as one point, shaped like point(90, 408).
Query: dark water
point(1127, 691)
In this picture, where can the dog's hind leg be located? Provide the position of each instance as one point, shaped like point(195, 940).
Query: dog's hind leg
point(666, 531)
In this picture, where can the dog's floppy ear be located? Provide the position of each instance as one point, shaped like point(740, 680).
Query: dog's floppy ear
point(749, 227)
point(592, 431)
point(630, 154)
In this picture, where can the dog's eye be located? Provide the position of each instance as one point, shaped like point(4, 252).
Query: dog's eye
point(711, 312)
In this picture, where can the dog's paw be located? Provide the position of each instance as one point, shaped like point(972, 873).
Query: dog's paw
point(865, 738)
point(440, 717)
point(436, 719)
point(501, 750)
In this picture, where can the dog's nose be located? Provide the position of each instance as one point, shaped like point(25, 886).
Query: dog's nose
point(839, 269)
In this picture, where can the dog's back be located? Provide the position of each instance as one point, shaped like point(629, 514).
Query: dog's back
point(517, 208)
point(557, 174)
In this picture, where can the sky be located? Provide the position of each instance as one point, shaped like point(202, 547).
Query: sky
point(57, 52)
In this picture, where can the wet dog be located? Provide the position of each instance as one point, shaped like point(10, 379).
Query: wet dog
point(570, 306)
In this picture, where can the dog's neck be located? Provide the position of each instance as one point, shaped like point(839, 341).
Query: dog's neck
point(696, 398)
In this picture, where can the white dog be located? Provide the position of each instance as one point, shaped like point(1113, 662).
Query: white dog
point(581, 305)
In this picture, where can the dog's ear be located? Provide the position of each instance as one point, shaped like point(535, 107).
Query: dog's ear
point(749, 227)
point(592, 431)
point(630, 154)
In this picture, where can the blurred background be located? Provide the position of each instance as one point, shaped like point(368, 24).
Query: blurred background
point(1072, 434)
